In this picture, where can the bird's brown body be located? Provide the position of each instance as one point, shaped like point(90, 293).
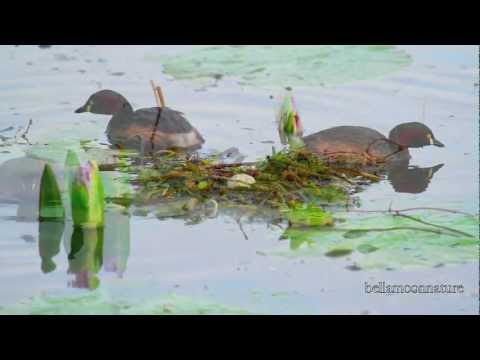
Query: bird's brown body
point(354, 140)
point(150, 129)
point(155, 129)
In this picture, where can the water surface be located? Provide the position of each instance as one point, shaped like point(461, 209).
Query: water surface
point(144, 265)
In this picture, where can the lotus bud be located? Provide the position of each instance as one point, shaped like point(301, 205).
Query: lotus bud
point(288, 120)
point(87, 196)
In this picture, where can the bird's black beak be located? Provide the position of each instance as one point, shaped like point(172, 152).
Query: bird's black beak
point(436, 168)
point(437, 143)
point(433, 170)
point(80, 110)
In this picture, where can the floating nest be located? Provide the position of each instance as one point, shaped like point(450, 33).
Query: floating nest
point(284, 179)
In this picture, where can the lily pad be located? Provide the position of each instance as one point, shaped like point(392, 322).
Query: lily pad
point(308, 215)
point(266, 65)
point(383, 241)
point(100, 303)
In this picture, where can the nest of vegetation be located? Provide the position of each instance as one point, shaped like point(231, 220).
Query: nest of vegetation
point(283, 180)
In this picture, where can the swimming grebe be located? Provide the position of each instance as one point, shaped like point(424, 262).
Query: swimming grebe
point(355, 140)
point(154, 129)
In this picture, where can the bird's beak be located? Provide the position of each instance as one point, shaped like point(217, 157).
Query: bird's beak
point(437, 143)
point(80, 110)
point(433, 170)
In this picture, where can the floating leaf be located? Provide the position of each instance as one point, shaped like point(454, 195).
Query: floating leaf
point(366, 248)
point(308, 216)
point(352, 234)
point(300, 65)
point(100, 302)
point(389, 242)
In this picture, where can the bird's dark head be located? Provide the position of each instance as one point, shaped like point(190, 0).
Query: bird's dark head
point(105, 102)
point(413, 135)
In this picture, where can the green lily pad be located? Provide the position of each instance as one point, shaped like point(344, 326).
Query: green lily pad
point(98, 302)
point(389, 242)
point(308, 215)
point(366, 248)
point(266, 65)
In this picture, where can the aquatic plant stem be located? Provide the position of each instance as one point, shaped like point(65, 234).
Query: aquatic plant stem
point(398, 213)
point(221, 166)
point(395, 228)
point(160, 96)
point(155, 93)
point(435, 225)
point(414, 209)
point(241, 228)
point(344, 178)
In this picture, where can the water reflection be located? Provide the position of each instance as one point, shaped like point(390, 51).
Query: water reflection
point(92, 250)
point(85, 258)
point(49, 239)
point(116, 248)
point(34, 186)
point(89, 250)
point(20, 184)
point(410, 179)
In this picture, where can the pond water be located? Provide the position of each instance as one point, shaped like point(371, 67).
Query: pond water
point(230, 263)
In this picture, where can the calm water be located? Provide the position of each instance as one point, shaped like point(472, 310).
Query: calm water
point(150, 264)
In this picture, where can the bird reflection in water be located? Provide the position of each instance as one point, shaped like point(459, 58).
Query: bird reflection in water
point(410, 179)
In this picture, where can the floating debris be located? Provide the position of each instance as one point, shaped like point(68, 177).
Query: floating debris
point(240, 181)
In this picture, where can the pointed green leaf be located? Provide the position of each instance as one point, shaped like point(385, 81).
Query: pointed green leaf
point(50, 203)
